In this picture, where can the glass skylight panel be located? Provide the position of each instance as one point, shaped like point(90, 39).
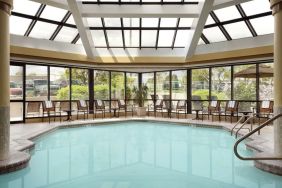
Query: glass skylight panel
point(214, 34)
point(256, 7)
point(71, 20)
point(131, 22)
point(201, 42)
point(43, 30)
point(151, 0)
point(149, 37)
point(263, 25)
point(182, 38)
point(228, 13)
point(168, 22)
point(66, 34)
point(165, 37)
point(114, 38)
point(150, 22)
point(18, 25)
point(172, 1)
point(94, 22)
point(53, 13)
point(238, 30)
point(185, 22)
point(79, 41)
point(112, 22)
point(131, 38)
point(210, 20)
point(26, 7)
point(98, 38)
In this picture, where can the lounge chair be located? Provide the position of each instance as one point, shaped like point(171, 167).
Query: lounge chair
point(231, 109)
point(33, 109)
point(122, 106)
point(265, 110)
point(49, 108)
point(100, 107)
point(159, 106)
point(197, 106)
point(214, 109)
point(181, 107)
point(82, 107)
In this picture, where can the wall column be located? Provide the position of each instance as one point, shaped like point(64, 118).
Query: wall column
point(276, 6)
point(5, 10)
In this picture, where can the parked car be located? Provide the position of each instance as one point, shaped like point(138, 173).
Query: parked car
point(15, 91)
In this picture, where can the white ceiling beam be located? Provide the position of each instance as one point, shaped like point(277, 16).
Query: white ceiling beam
point(55, 3)
point(198, 26)
point(140, 11)
point(218, 4)
point(84, 32)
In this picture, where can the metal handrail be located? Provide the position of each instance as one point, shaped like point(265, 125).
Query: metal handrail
point(237, 124)
point(251, 133)
point(250, 118)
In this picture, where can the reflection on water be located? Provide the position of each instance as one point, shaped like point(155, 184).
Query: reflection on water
point(138, 155)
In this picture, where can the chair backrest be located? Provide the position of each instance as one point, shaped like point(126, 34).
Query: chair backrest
point(214, 105)
point(266, 107)
point(197, 103)
point(48, 106)
point(82, 105)
point(33, 107)
point(181, 104)
point(159, 103)
point(121, 103)
point(232, 106)
point(154, 97)
point(99, 104)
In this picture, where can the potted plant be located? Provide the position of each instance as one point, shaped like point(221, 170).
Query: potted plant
point(140, 94)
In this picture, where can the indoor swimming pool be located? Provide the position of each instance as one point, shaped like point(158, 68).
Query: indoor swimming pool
point(138, 154)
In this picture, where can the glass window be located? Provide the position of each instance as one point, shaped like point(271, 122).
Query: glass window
point(53, 13)
point(261, 6)
point(210, 20)
point(149, 37)
point(165, 37)
point(168, 22)
point(228, 13)
point(185, 22)
point(245, 82)
point(43, 30)
point(101, 85)
point(131, 83)
point(26, 7)
point(150, 22)
point(79, 87)
point(71, 20)
point(59, 83)
point(214, 34)
point(238, 30)
point(16, 111)
point(200, 83)
point(148, 80)
point(266, 81)
point(131, 22)
point(201, 41)
point(16, 82)
point(117, 85)
point(179, 84)
point(36, 83)
point(66, 34)
point(263, 25)
point(131, 38)
point(115, 38)
point(182, 37)
point(162, 85)
point(98, 38)
point(94, 22)
point(19, 25)
point(112, 22)
point(221, 83)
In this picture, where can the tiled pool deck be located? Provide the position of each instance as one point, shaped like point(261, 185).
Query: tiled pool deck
point(22, 135)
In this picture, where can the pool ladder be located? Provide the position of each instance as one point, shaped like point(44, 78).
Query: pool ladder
point(247, 119)
point(250, 134)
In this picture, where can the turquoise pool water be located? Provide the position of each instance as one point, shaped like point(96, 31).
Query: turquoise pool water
point(138, 155)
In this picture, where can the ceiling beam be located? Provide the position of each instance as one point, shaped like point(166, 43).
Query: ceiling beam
point(198, 26)
point(83, 31)
point(140, 11)
point(218, 4)
point(55, 3)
